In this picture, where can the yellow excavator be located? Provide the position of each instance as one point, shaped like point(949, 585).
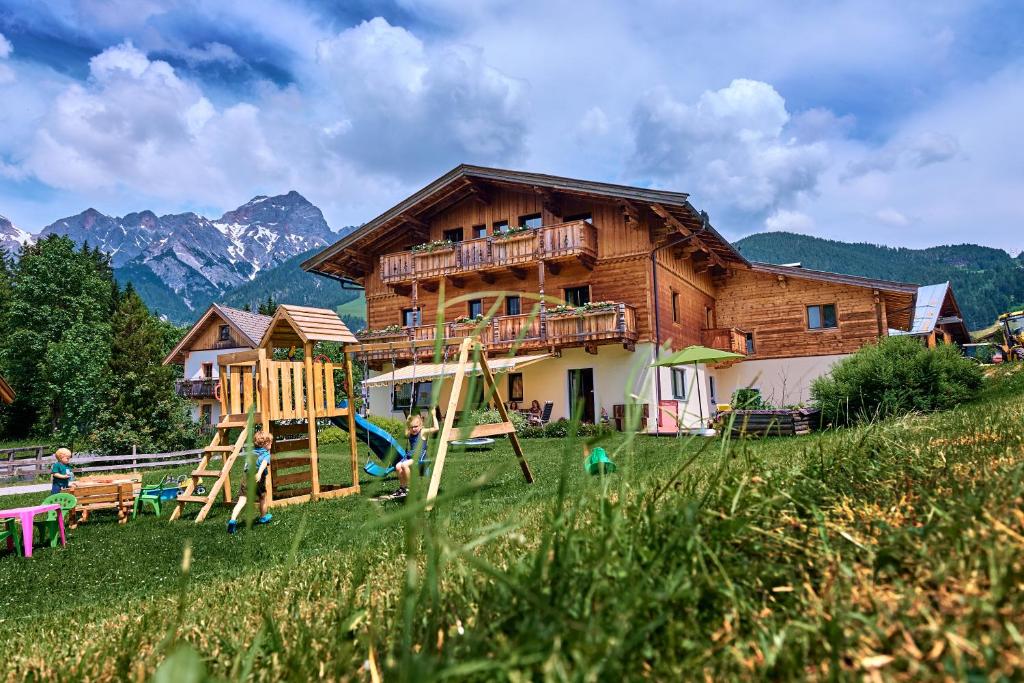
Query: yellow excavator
point(1012, 325)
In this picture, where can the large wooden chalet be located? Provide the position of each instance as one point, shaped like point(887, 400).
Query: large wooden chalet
point(640, 268)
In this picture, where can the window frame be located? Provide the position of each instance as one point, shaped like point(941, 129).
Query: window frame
point(449, 234)
point(821, 317)
point(518, 398)
point(203, 371)
point(566, 290)
point(749, 343)
point(224, 333)
point(582, 216)
point(518, 305)
point(422, 389)
point(479, 231)
point(675, 306)
point(469, 307)
point(417, 317)
point(206, 414)
point(678, 392)
point(499, 226)
point(525, 218)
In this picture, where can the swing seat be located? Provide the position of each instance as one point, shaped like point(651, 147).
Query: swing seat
point(377, 470)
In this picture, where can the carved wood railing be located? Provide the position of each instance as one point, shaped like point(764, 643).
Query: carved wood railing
point(725, 339)
point(564, 240)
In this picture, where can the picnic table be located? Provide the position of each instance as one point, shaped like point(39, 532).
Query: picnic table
point(25, 517)
point(104, 493)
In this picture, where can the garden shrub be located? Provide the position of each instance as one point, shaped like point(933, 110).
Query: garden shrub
point(531, 432)
point(491, 416)
point(558, 429)
point(391, 425)
point(749, 399)
point(896, 376)
point(331, 435)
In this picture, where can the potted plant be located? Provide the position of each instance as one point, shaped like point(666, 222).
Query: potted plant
point(434, 246)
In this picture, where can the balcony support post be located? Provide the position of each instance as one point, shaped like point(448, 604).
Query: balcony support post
point(542, 324)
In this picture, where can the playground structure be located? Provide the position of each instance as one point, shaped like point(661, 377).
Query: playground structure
point(289, 396)
point(1012, 327)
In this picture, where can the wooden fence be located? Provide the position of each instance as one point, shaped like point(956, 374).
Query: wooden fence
point(34, 461)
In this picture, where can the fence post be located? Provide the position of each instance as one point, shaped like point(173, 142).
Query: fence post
point(135, 451)
point(39, 461)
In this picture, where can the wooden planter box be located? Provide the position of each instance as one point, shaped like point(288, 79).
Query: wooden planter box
point(772, 422)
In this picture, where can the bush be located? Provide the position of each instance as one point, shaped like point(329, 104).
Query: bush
point(391, 425)
point(491, 416)
point(331, 435)
point(896, 376)
point(558, 429)
point(531, 432)
point(749, 399)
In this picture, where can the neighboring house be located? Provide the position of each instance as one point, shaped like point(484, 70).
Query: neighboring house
point(937, 317)
point(6, 392)
point(220, 330)
point(642, 269)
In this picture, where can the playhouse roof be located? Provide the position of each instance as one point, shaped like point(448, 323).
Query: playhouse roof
point(248, 326)
point(936, 306)
point(296, 325)
point(6, 392)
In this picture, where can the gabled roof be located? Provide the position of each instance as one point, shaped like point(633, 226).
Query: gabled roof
point(248, 326)
point(6, 392)
point(936, 306)
point(295, 325)
point(344, 256)
point(899, 296)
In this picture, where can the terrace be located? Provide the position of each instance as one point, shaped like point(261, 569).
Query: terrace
point(195, 388)
point(575, 240)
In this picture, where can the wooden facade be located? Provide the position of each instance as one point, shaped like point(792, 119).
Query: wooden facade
point(649, 251)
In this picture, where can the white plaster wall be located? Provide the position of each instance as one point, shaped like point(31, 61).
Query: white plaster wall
point(195, 359)
point(617, 374)
point(782, 381)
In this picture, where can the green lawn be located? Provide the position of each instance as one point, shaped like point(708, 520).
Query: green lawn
point(895, 548)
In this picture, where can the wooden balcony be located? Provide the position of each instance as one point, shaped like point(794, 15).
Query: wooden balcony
point(576, 240)
point(615, 324)
point(725, 339)
point(195, 388)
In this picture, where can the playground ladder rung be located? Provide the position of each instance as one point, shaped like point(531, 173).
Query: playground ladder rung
point(206, 473)
point(219, 449)
point(192, 499)
point(231, 425)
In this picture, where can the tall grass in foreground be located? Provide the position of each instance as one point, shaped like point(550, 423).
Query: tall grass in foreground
point(890, 551)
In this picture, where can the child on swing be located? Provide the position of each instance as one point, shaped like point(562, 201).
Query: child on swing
point(417, 453)
point(263, 441)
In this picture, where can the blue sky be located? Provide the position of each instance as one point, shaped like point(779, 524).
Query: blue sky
point(866, 120)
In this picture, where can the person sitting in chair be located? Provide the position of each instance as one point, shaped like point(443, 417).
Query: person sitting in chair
point(535, 413)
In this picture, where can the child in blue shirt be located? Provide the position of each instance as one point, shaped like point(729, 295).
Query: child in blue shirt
point(417, 453)
point(60, 472)
point(263, 441)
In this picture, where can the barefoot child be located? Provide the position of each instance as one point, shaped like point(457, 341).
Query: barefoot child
point(60, 473)
point(417, 452)
point(263, 440)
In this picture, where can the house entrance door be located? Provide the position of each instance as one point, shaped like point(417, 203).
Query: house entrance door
point(581, 392)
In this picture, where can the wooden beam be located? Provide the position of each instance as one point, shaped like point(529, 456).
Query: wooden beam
point(549, 201)
point(412, 220)
point(518, 273)
point(631, 214)
point(478, 193)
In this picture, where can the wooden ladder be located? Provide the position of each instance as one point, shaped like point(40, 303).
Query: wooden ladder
point(229, 455)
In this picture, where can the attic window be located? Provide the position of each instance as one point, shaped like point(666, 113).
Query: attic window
point(225, 333)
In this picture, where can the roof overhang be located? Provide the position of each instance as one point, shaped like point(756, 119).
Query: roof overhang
point(177, 354)
point(899, 297)
point(349, 259)
point(426, 372)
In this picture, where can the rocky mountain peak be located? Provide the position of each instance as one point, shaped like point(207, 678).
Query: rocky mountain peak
point(12, 237)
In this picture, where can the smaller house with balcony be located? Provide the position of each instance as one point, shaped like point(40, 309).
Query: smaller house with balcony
point(220, 329)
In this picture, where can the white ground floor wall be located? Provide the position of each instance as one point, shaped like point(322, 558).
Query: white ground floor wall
point(781, 381)
point(197, 411)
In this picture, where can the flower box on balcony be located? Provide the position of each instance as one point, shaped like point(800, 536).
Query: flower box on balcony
point(394, 333)
point(435, 247)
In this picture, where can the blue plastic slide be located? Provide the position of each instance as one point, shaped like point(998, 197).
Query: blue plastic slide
point(380, 442)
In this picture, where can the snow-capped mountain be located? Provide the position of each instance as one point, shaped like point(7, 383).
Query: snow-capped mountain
point(12, 237)
point(195, 257)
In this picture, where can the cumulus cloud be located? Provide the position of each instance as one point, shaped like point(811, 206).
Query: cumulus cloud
point(594, 123)
point(411, 108)
point(728, 147)
point(789, 221)
point(6, 72)
point(917, 151)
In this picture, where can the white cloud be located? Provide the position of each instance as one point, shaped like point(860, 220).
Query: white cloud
point(728, 147)
point(6, 72)
point(593, 124)
point(789, 221)
point(891, 216)
point(916, 151)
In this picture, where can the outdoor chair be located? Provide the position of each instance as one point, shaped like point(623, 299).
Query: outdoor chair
point(48, 528)
point(10, 535)
point(154, 495)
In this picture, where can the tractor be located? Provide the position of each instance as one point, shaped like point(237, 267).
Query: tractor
point(1012, 325)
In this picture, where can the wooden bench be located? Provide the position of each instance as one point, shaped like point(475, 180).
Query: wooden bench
point(104, 493)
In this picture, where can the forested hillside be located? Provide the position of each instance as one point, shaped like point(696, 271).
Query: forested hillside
point(986, 281)
point(289, 284)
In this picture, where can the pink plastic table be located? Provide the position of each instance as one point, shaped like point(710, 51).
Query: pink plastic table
point(26, 517)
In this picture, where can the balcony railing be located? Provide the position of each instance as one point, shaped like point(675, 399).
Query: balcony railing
point(575, 239)
point(195, 388)
point(613, 324)
point(725, 339)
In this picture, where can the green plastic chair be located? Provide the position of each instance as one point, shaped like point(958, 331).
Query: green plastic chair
point(154, 494)
point(9, 530)
point(48, 526)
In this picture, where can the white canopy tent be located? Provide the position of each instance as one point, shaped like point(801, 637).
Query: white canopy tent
point(426, 372)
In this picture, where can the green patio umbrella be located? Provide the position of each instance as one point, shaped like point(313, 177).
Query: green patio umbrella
point(695, 355)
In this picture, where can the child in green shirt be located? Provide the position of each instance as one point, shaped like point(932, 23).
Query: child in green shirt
point(60, 473)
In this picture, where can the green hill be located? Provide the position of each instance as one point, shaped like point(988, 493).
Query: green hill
point(289, 284)
point(986, 281)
